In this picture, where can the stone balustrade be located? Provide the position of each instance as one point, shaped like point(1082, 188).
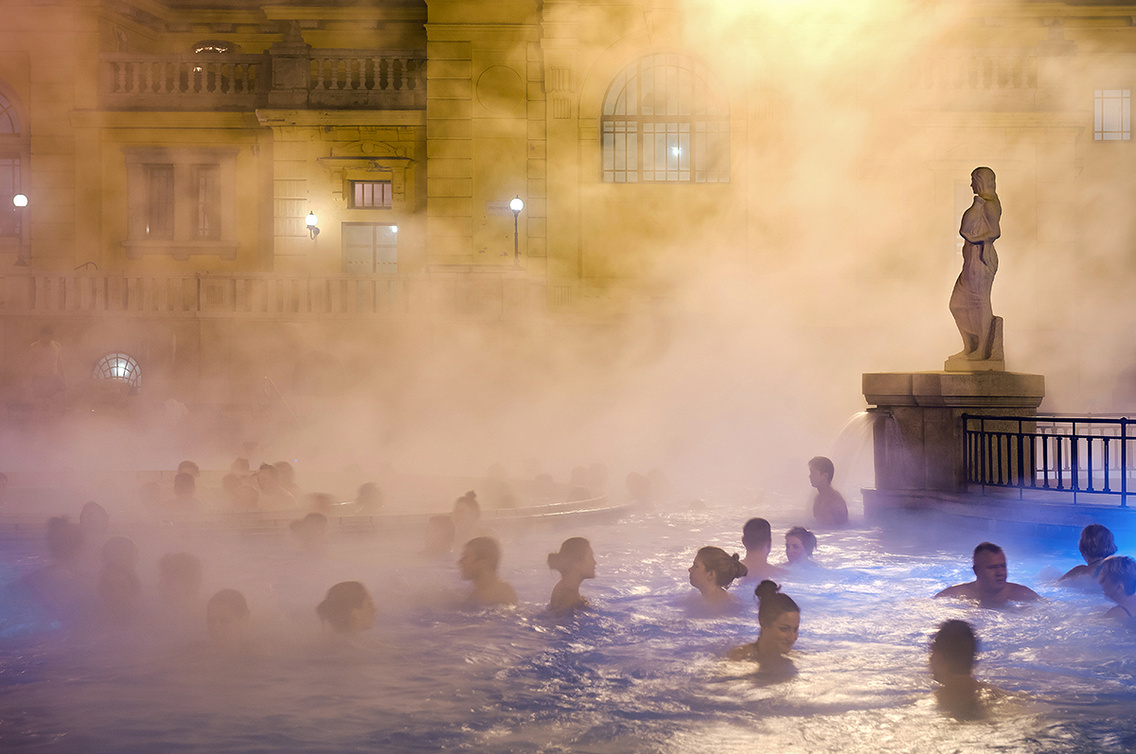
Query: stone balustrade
point(182, 82)
point(486, 295)
point(361, 78)
point(977, 70)
point(339, 79)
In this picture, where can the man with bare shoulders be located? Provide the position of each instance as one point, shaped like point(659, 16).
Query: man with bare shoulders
point(990, 587)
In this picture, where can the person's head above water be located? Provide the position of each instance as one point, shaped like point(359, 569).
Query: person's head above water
point(575, 555)
point(713, 567)
point(1117, 577)
point(347, 608)
point(800, 544)
point(93, 519)
point(480, 556)
point(467, 511)
point(779, 618)
point(953, 650)
point(1096, 543)
point(821, 471)
point(990, 566)
point(227, 618)
point(757, 535)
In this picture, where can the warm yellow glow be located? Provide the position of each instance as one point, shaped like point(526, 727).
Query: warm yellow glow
point(311, 220)
point(516, 204)
point(20, 200)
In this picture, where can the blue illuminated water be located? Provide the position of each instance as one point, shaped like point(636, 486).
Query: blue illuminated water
point(637, 673)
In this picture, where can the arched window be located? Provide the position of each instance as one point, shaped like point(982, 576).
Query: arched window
point(13, 151)
point(120, 367)
point(9, 118)
point(665, 118)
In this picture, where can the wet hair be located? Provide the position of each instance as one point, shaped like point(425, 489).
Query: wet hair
point(757, 533)
point(1120, 569)
point(469, 500)
point(340, 601)
point(725, 567)
point(823, 465)
point(772, 603)
point(485, 548)
point(572, 551)
point(369, 496)
point(189, 467)
point(94, 516)
point(989, 547)
point(1096, 542)
point(240, 466)
point(284, 471)
point(230, 600)
point(184, 483)
point(956, 645)
point(64, 538)
point(269, 470)
point(180, 573)
point(808, 539)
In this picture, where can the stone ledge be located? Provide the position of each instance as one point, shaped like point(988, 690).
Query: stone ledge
point(955, 389)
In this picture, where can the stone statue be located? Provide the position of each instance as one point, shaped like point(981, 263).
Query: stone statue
point(970, 301)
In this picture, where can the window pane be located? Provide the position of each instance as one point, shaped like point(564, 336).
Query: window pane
point(371, 195)
point(160, 201)
point(666, 98)
point(1112, 114)
point(9, 121)
point(207, 194)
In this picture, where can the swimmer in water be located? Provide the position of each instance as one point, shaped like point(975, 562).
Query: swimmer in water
point(829, 507)
point(575, 562)
point(347, 608)
point(779, 619)
point(478, 563)
point(1117, 578)
point(227, 620)
point(757, 537)
point(712, 571)
point(953, 651)
point(1096, 544)
point(800, 544)
point(990, 586)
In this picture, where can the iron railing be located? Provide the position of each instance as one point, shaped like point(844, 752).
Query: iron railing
point(1077, 457)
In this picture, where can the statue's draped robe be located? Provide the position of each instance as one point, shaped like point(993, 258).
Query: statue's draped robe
point(970, 301)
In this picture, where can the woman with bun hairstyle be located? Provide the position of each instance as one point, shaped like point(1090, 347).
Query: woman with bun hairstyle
point(780, 620)
point(575, 562)
point(713, 570)
point(347, 608)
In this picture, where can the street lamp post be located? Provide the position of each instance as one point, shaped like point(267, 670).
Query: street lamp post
point(311, 222)
point(516, 204)
point(19, 206)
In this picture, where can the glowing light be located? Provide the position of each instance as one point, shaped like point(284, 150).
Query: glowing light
point(19, 200)
point(676, 151)
point(516, 204)
point(394, 229)
point(311, 220)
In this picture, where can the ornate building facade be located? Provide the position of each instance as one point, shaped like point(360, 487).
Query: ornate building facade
point(178, 156)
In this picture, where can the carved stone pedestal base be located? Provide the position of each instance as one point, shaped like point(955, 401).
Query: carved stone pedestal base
point(918, 430)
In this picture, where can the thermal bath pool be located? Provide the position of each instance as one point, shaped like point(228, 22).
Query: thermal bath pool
point(635, 674)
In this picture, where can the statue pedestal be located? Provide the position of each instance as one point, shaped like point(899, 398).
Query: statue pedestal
point(918, 433)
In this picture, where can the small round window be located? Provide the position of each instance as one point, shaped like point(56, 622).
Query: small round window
point(119, 367)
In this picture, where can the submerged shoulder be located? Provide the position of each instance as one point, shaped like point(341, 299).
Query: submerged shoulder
point(1021, 593)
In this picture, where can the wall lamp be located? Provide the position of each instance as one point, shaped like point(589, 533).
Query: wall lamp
point(312, 222)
